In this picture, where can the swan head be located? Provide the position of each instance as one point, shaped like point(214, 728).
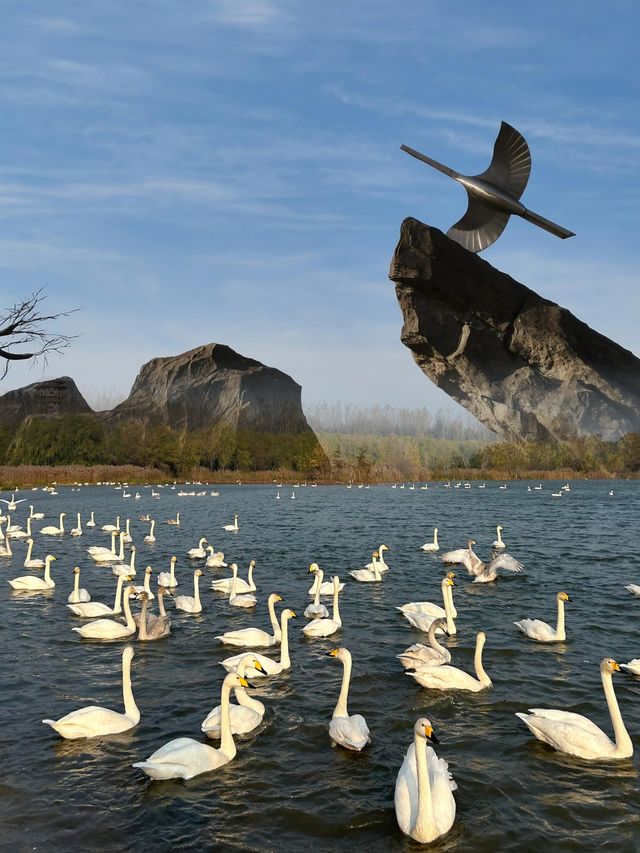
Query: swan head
point(563, 596)
point(341, 653)
point(448, 581)
point(174, 560)
point(50, 558)
point(376, 554)
point(197, 573)
point(275, 597)
point(164, 590)
point(471, 543)
point(127, 653)
point(441, 624)
point(235, 680)
point(610, 666)
point(423, 728)
point(252, 564)
point(383, 548)
point(288, 614)
point(148, 570)
point(500, 528)
point(76, 571)
point(142, 596)
point(314, 567)
point(451, 575)
point(481, 638)
point(234, 568)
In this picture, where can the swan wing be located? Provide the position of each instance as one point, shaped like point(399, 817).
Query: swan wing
point(351, 732)
point(426, 607)
point(568, 732)
point(247, 637)
point(444, 678)
point(87, 611)
point(182, 758)
point(103, 629)
point(633, 666)
point(442, 787)
point(91, 721)
point(633, 588)
point(406, 792)
point(536, 629)
point(321, 628)
point(243, 720)
point(505, 561)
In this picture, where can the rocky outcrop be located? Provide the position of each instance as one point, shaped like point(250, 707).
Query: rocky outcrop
point(54, 397)
point(213, 384)
point(522, 365)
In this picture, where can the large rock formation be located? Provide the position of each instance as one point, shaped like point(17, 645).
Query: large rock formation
point(213, 384)
point(53, 397)
point(524, 366)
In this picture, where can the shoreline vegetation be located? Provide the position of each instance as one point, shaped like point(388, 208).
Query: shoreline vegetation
point(350, 444)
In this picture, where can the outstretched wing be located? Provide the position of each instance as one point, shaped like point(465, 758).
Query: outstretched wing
point(479, 227)
point(510, 165)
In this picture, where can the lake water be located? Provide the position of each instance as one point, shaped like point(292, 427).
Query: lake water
point(288, 788)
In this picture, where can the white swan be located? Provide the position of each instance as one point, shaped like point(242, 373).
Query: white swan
point(35, 516)
point(269, 666)
point(236, 599)
point(174, 521)
point(422, 621)
point(633, 588)
point(434, 654)
point(499, 543)
point(317, 610)
point(325, 588)
point(169, 578)
point(241, 585)
point(77, 530)
point(577, 735)
point(100, 549)
point(431, 609)
point(538, 630)
point(77, 595)
point(184, 757)
point(92, 520)
point(126, 536)
point(33, 583)
point(424, 803)
point(146, 586)
point(196, 553)
point(109, 629)
point(633, 666)
point(94, 721)
point(5, 546)
point(29, 563)
point(448, 677)
point(111, 528)
point(466, 556)
point(246, 715)
point(382, 566)
point(93, 609)
point(150, 537)
point(52, 530)
point(255, 637)
point(368, 575)
point(126, 568)
point(432, 546)
point(488, 572)
point(153, 627)
point(232, 527)
point(21, 534)
point(348, 730)
point(191, 603)
point(215, 560)
point(327, 627)
point(109, 556)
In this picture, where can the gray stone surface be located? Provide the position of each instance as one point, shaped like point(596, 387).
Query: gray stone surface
point(522, 365)
point(214, 384)
point(53, 397)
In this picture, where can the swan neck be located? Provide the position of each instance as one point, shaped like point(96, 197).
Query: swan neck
point(560, 630)
point(275, 627)
point(622, 739)
point(196, 590)
point(227, 744)
point(142, 629)
point(47, 568)
point(132, 562)
point(161, 610)
point(117, 603)
point(131, 625)
point(341, 705)
point(243, 698)
point(481, 675)
point(435, 537)
point(336, 607)
point(448, 601)
point(424, 828)
point(234, 586)
point(29, 550)
point(130, 707)
point(433, 641)
point(76, 584)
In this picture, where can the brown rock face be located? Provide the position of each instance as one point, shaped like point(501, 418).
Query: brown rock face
point(214, 384)
point(53, 397)
point(524, 366)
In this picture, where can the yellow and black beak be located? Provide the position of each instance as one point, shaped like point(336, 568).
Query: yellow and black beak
point(243, 681)
point(333, 653)
point(616, 667)
point(430, 735)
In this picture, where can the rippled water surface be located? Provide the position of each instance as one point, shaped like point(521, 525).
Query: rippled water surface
point(288, 788)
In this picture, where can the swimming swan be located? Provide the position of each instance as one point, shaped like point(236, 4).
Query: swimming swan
point(34, 584)
point(246, 715)
point(236, 599)
point(424, 803)
point(109, 629)
point(577, 735)
point(325, 588)
point(77, 595)
point(95, 608)
point(447, 677)
point(169, 578)
point(215, 560)
point(191, 603)
point(419, 655)
point(498, 542)
point(77, 530)
point(350, 731)
point(152, 627)
point(184, 757)
point(126, 568)
point(150, 537)
point(422, 621)
point(232, 527)
point(52, 530)
point(146, 587)
point(269, 666)
point(538, 630)
point(255, 637)
point(317, 610)
point(431, 609)
point(431, 546)
point(327, 627)
point(633, 588)
point(369, 575)
point(94, 721)
point(196, 553)
point(29, 563)
point(382, 566)
point(247, 585)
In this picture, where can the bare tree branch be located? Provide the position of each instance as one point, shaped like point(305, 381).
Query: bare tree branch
point(23, 325)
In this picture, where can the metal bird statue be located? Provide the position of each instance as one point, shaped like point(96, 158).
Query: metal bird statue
point(493, 195)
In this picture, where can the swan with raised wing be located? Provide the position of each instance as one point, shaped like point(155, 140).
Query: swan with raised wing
point(446, 677)
point(184, 757)
point(536, 629)
point(95, 721)
point(466, 556)
point(577, 735)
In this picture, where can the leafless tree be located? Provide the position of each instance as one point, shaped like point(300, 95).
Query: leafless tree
point(25, 325)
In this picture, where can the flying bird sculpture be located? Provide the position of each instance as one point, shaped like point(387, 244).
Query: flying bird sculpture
point(494, 194)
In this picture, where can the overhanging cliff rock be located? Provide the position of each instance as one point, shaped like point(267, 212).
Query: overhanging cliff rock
point(522, 365)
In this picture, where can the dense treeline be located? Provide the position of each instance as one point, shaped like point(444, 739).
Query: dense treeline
point(350, 419)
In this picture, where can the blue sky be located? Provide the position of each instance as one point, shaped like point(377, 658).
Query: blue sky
point(187, 171)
